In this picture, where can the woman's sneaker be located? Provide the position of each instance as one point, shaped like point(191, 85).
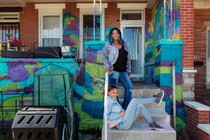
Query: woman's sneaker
point(155, 126)
point(159, 97)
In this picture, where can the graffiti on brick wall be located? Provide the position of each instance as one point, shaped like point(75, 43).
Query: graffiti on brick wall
point(170, 24)
point(70, 30)
point(165, 23)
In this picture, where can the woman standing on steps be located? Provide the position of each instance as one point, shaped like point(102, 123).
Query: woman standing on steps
point(123, 120)
point(116, 60)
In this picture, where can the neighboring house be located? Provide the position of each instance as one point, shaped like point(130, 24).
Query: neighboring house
point(202, 51)
point(144, 24)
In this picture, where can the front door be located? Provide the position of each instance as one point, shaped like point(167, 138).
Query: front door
point(133, 37)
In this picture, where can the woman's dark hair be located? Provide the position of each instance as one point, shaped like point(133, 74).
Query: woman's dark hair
point(111, 87)
point(121, 41)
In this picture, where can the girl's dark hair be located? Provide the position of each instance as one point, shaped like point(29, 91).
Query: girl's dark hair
point(121, 41)
point(111, 87)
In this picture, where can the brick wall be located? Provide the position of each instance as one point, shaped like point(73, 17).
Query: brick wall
point(29, 26)
point(187, 31)
point(71, 8)
point(203, 135)
point(112, 14)
point(194, 117)
point(202, 21)
point(29, 23)
point(148, 15)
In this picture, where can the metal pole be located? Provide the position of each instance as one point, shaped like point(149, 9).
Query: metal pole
point(94, 20)
point(164, 20)
point(105, 106)
point(100, 21)
point(171, 21)
point(174, 94)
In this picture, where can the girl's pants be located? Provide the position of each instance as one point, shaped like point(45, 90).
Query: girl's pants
point(134, 109)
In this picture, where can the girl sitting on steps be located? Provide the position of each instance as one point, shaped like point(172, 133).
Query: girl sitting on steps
point(123, 120)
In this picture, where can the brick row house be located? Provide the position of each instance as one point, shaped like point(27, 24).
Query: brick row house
point(152, 28)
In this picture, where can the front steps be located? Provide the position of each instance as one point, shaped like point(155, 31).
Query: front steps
point(142, 132)
point(139, 129)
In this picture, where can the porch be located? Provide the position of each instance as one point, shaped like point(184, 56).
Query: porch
point(153, 60)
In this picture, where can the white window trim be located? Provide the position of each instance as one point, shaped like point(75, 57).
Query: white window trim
point(88, 9)
point(201, 5)
point(132, 6)
point(128, 22)
point(9, 17)
point(207, 62)
point(50, 6)
point(49, 9)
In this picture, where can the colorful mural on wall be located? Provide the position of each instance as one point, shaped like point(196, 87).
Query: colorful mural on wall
point(88, 95)
point(160, 25)
point(162, 48)
point(70, 30)
point(17, 77)
point(17, 81)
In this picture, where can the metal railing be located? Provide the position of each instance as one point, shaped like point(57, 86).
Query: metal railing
point(105, 106)
point(174, 93)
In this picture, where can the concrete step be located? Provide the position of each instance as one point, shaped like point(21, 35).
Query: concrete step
point(151, 106)
point(141, 132)
point(139, 129)
point(154, 106)
point(157, 112)
point(140, 90)
point(157, 115)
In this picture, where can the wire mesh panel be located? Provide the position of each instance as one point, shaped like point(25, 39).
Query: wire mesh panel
point(51, 85)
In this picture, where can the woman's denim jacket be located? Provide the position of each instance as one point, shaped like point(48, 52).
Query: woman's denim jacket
point(113, 111)
point(110, 55)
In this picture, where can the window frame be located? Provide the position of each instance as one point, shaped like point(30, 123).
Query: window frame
point(132, 21)
point(41, 37)
point(87, 9)
point(53, 10)
point(133, 8)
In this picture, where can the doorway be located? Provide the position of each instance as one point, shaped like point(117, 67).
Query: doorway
point(134, 39)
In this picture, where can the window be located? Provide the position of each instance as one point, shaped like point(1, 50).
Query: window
point(127, 15)
point(9, 31)
point(50, 31)
point(88, 28)
point(9, 26)
point(132, 17)
point(208, 60)
point(86, 24)
point(50, 24)
point(10, 17)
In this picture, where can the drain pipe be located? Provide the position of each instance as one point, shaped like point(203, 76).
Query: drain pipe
point(105, 106)
point(174, 94)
